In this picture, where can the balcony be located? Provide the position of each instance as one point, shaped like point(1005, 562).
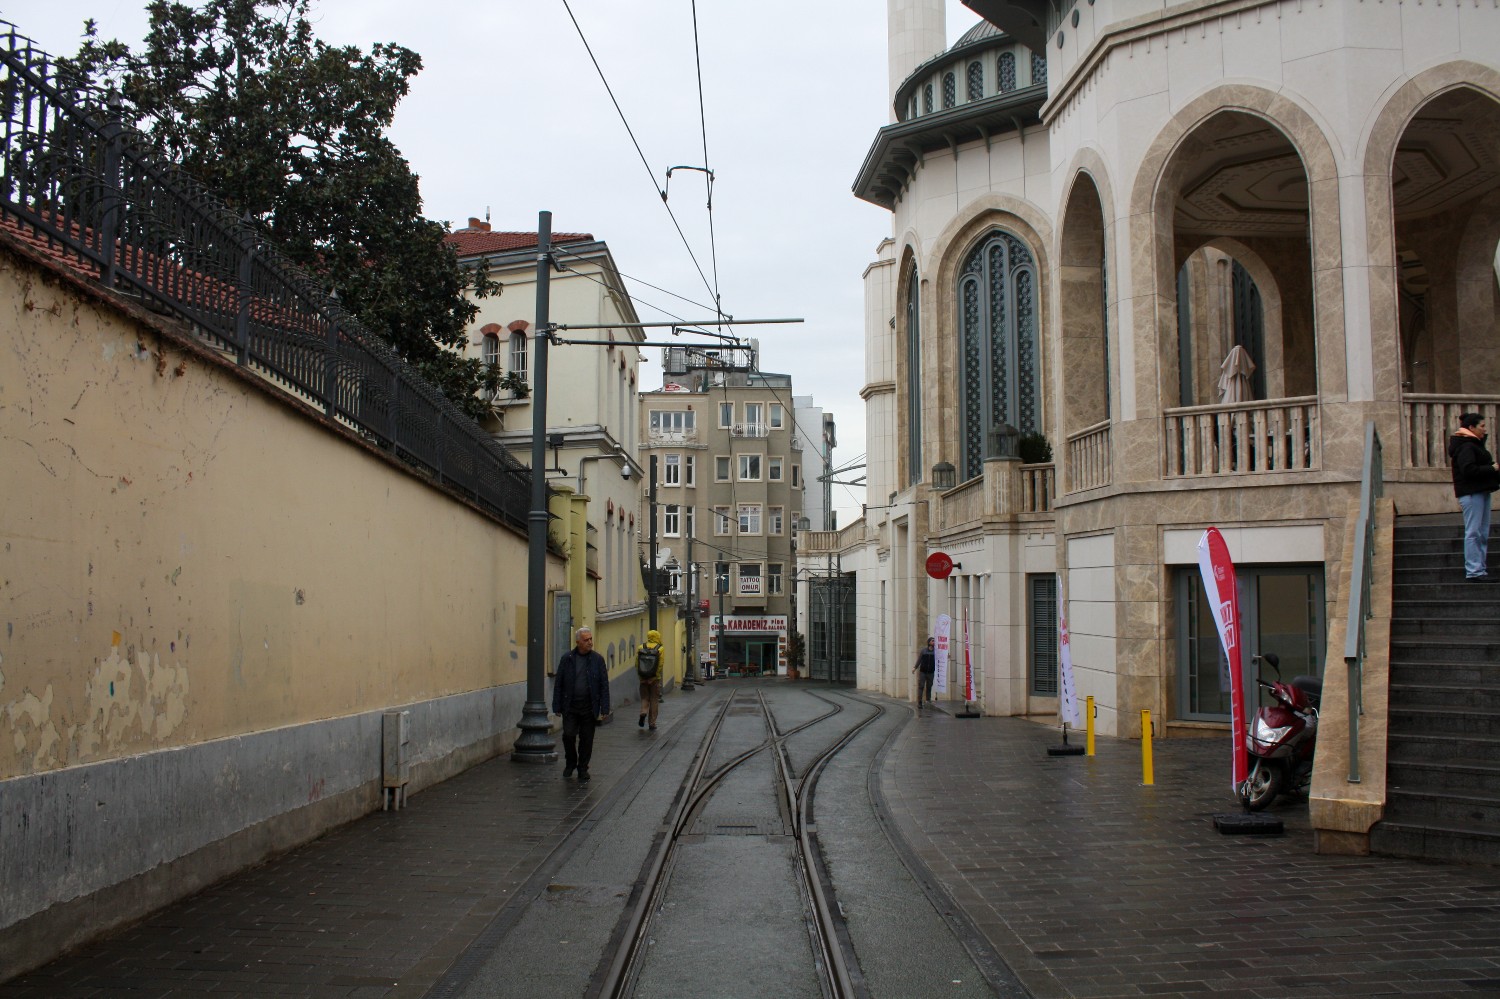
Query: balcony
point(1280, 435)
point(1429, 420)
point(1006, 489)
point(750, 430)
point(1088, 458)
point(672, 438)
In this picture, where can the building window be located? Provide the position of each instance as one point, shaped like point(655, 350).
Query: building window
point(749, 518)
point(691, 529)
point(775, 519)
point(773, 579)
point(796, 476)
point(998, 347)
point(518, 354)
point(671, 520)
point(750, 579)
point(671, 422)
point(1006, 70)
point(914, 375)
point(1038, 69)
point(749, 468)
point(721, 468)
point(491, 349)
point(773, 469)
point(755, 419)
point(976, 80)
point(672, 471)
point(927, 99)
point(726, 414)
point(950, 91)
point(1042, 634)
point(721, 577)
point(721, 520)
point(689, 478)
point(778, 416)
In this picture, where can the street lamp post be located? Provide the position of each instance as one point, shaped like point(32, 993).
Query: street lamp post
point(535, 743)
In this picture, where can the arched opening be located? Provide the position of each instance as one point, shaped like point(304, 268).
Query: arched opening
point(1085, 341)
point(1445, 198)
point(1238, 371)
point(999, 356)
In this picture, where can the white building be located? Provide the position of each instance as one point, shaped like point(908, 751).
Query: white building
point(1090, 206)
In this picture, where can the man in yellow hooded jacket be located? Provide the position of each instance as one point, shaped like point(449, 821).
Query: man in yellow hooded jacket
point(649, 664)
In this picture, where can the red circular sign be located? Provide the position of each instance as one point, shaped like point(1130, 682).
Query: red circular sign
point(939, 565)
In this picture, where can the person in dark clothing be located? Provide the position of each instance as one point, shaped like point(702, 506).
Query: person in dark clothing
point(927, 664)
point(1474, 478)
point(580, 693)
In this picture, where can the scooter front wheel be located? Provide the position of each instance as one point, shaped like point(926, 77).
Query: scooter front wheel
point(1263, 785)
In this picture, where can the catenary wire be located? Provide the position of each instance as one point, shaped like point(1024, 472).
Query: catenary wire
point(621, 112)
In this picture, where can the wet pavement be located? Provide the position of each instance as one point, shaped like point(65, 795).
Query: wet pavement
point(1084, 881)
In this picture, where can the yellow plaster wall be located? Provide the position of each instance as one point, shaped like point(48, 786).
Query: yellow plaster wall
point(183, 557)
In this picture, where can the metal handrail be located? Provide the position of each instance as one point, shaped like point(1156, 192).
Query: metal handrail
point(1371, 487)
point(96, 197)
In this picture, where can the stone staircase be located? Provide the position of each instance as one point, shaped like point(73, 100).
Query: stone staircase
point(1443, 757)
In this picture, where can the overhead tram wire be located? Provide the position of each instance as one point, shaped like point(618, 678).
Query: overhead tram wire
point(563, 250)
point(649, 173)
point(713, 247)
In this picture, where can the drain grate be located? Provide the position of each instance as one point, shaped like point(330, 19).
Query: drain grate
point(739, 825)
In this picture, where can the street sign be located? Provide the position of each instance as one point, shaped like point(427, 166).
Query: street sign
point(939, 565)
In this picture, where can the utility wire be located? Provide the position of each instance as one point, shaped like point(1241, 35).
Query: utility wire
point(713, 246)
point(620, 111)
point(641, 281)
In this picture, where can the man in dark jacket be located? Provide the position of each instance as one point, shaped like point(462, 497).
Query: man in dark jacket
point(1474, 478)
point(927, 665)
point(580, 694)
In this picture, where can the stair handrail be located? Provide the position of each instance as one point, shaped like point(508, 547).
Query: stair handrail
point(1371, 487)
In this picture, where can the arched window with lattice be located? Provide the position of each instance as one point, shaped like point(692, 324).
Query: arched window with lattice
point(976, 80)
point(1005, 69)
point(999, 362)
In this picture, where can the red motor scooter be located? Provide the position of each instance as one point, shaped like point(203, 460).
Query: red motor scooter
point(1282, 737)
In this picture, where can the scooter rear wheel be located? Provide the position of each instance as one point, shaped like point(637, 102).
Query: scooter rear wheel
point(1264, 784)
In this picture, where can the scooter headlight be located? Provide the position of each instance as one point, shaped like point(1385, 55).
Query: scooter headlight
point(1263, 732)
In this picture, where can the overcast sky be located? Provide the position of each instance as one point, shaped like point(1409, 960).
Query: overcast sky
point(510, 117)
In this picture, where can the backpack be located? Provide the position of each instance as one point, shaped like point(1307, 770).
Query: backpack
point(646, 662)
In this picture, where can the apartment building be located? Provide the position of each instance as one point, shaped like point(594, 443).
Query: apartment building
point(729, 491)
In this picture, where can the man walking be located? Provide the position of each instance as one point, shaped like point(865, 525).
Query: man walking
point(927, 665)
point(1474, 478)
point(580, 693)
point(648, 667)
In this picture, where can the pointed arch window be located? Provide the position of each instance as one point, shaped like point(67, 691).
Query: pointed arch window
point(998, 347)
point(927, 99)
point(913, 376)
point(976, 80)
point(1038, 69)
point(1005, 68)
point(950, 90)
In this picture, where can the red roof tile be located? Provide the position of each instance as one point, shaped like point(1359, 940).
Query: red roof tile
point(473, 242)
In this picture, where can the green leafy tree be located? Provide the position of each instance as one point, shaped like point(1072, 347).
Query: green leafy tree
point(292, 133)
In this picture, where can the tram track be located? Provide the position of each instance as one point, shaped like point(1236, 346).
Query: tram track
point(833, 957)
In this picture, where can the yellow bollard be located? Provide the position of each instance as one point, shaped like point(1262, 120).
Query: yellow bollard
point(1088, 723)
point(1146, 774)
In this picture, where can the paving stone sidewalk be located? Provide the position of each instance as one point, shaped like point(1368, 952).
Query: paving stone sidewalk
point(380, 907)
point(1093, 885)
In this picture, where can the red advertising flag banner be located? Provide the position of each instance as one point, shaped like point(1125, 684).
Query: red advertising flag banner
point(1217, 569)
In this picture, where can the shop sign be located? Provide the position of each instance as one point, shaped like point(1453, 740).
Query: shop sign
point(749, 624)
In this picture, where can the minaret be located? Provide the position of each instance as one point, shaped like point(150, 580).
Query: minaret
point(918, 31)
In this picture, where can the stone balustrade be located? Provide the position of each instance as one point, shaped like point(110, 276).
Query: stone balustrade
point(1088, 458)
point(1278, 435)
point(1429, 420)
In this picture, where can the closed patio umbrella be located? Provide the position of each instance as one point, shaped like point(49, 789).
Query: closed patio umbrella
point(1234, 376)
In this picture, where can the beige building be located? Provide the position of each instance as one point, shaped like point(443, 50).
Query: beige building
point(730, 490)
point(592, 428)
point(1099, 212)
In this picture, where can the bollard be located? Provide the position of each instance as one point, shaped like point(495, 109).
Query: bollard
point(1146, 774)
point(1088, 721)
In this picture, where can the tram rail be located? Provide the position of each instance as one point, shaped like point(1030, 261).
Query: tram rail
point(838, 966)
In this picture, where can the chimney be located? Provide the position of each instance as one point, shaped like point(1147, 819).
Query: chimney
point(478, 225)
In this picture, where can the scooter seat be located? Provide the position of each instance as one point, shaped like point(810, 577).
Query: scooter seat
point(1311, 686)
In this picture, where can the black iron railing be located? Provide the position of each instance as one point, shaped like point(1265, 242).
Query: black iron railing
point(94, 195)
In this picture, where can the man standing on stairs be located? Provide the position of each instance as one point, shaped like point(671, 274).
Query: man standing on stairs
point(1474, 478)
